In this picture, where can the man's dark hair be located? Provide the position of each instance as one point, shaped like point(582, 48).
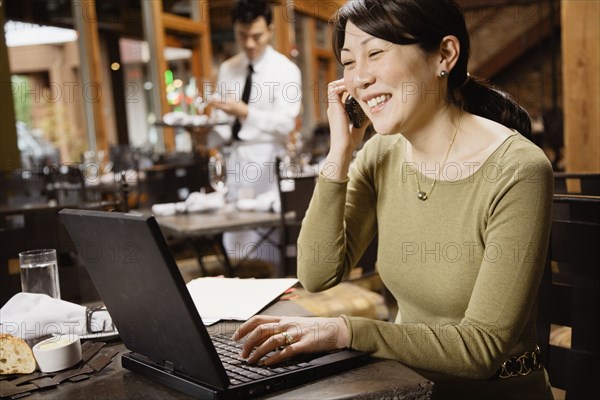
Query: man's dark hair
point(247, 11)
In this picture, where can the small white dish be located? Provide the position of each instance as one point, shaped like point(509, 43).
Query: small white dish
point(58, 352)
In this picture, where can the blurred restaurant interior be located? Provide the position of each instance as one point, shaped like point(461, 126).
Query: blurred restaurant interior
point(98, 76)
point(88, 87)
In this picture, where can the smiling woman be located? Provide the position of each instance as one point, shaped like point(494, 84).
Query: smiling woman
point(463, 262)
point(395, 23)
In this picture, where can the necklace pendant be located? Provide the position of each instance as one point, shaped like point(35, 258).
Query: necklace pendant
point(421, 195)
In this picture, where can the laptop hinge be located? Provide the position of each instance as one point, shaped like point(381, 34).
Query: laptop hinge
point(169, 367)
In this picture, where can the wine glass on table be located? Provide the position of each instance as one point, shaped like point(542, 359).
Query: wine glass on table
point(217, 172)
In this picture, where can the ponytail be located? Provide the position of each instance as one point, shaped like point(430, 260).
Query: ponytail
point(479, 97)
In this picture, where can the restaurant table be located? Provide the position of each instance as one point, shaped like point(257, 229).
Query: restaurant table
point(210, 223)
point(30, 208)
point(200, 227)
point(376, 379)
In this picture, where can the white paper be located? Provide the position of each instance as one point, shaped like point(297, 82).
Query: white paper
point(234, 298)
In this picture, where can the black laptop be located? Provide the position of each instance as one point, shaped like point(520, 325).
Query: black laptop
point(138, 280)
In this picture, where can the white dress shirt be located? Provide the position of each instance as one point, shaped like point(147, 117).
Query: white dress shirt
point(275, 95)
point(274, 105)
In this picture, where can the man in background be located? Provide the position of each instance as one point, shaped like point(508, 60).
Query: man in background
point(260, 90)
point(262, 122)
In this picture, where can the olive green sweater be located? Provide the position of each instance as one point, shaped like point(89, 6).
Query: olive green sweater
point(464, 266)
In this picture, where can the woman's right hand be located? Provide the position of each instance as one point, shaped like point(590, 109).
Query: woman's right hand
point(345, 138)
point(263, 335)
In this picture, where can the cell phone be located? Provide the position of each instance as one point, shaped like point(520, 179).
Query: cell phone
point(355, 112)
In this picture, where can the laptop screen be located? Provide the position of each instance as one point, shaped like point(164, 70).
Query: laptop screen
point(138, 280)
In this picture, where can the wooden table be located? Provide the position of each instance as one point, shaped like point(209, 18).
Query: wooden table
point(211, 223)
point(374, 380)
point(206, 229)
point(6, 210)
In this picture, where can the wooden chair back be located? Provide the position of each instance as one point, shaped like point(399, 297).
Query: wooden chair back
point(295, 193)
point(22, 187)
point(570, 296)
point(589, 182)
point(169, 183)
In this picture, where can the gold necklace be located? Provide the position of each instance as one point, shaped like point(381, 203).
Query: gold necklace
point(421, 195)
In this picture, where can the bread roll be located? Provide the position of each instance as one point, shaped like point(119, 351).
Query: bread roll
point(15, 356)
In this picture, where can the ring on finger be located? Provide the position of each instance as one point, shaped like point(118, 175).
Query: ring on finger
point(289, 339)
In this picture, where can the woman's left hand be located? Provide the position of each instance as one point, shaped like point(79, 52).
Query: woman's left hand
point(292, 335)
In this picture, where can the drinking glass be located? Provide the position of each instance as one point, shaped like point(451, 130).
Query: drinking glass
point(210, 92)
point(217, 172)
point(39, 272)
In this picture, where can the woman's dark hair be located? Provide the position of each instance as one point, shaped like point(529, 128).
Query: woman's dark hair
point(425, 23)
point(247, 11)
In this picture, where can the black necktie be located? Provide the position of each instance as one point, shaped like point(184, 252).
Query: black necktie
point(235, 129)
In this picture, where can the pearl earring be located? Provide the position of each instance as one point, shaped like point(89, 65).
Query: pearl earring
point(443, 74)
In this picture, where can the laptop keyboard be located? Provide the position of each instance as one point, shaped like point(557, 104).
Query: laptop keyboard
point(238, 370)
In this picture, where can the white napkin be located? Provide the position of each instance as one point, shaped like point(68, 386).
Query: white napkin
point(268, 201)
point(198, 201)
point(166, 209)
point(195, 202)
point(32, 315)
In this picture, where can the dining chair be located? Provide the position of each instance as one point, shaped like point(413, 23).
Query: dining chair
point(168, 183)
point(20, 186)
point(569, 297)
point(295, 192)
point(124, 158)
point(66, 183)
point(173, 182)
point(589, 182)
point(12, 238)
